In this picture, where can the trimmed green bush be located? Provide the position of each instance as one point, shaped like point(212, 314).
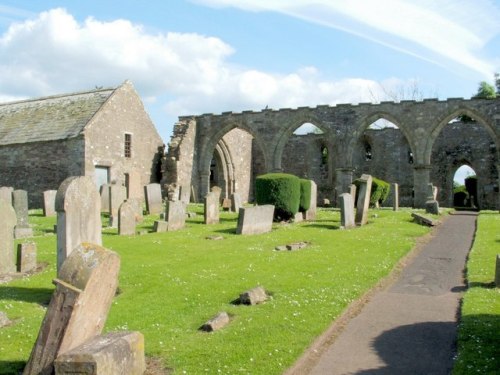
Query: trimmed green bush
point(305, 195)
point(281, 190)
point(379, 192)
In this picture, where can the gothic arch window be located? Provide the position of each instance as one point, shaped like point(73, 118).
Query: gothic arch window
point(368, 151)
point(307, 128)
point(324, 155)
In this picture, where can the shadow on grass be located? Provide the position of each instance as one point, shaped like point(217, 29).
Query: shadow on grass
point(11, 367)
point(227, 231)
point(33, 295)
point(322, 226)
point(475, 284)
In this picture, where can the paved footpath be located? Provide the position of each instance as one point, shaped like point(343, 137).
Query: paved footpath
point(409, 327)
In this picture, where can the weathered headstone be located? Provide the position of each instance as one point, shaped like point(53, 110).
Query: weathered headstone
point(20, 203)
point(6, 194)
point(299, 217)
point(7, 224)
point(211, 214)
point(78, 207)
point(49, 202)
point(346, 211)
point(26, 257)
point(365, 188)
point(126, 219)
point(423, 220)
point(236, 202)
point(435, 191)
point(226, 204)
point(310, 214)
point(253, 296)
point(430, 191)
point(117, 195)
point(138, 211)
point(172, 192)
point(255, 220)
point(395, 197)
point(176, 215)
point(217, 322)
point(160, 226)
point(113, 353)
point(77, 312)
point(104, 191)
point(185, 193)
point(135, 190)
point(432, 207)
point(217, 190)
point(154, 203)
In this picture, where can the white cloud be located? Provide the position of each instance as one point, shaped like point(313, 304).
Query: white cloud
point(438, 31)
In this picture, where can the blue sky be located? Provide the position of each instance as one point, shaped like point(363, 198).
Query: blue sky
point(209, 56)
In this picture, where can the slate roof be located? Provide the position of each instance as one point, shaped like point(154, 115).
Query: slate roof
point(50, 118)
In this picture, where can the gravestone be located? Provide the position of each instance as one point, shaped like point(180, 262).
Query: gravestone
point(79, 306)
point(160, 226)
point(20, 203)
point(217, 322)
point(138, 212)
point(255, 220)
point(176, 215)
point(185, 193)
point(236, 202)
point(117, 195)
point(172, 192)
point(26, 257)
point(113, 353)
point(430, 192)
point(226, 204)
point(395, 197)
point(126, 219)
point(310, 214)
point(104, 191)
point(6, 194)
point(423, 220)
point(253, 296)
point(432, 207)
point(217, 190)
point(49, 202)
point(154, 203)
point(7, 224)
point(346, 211)
point(134, 188)
point(365, 188)
point(78, 207)
point(211, 214)
point(435, 191)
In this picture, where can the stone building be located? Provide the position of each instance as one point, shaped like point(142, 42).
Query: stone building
point(104, 133)
point(425, 144)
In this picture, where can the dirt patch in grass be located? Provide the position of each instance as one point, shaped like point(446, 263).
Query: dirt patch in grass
point(154, 366)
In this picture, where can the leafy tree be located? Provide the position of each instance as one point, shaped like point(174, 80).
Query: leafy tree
point(485, 91)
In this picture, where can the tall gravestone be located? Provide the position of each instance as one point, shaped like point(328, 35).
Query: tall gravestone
point(365, 188)
point(395, 197)
point(175, 215)
point(20, 203)
point(310, 214)
point(79, 306)
point(7, 224)
point(211, 213)
point(78, 207)
point(346, 211)
point(185, 193)
point(137, 205)
point(26, 257)
point(255, 220)
point(217, 190)
point(154, 203)
point(236, 202)
point(135, 190)
point(104, 191)
point(126, 219)
point(6, 194)
point(49, 202)
point(117, 195)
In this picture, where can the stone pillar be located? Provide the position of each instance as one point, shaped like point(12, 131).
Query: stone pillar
point(343, 179)
point(395, 197)
point(421, 178)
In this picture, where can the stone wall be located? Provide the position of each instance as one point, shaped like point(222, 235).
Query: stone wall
point(39, 166)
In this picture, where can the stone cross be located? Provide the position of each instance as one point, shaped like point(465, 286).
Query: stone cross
point(20, 203)
point(49, 202)
point(365, 188)
point(7, 224)
point(78, 207)
point(154, 203)
point(211, 214)
point(346, 211)
point(126, 219)
point(395, 197)
point(79, 306)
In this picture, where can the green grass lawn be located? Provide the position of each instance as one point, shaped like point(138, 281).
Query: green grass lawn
point(479, 330)
point(171, 283)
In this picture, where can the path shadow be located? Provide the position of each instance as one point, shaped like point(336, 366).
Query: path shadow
point(423, 348)
point(32, 295)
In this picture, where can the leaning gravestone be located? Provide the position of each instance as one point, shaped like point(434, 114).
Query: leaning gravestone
point(310, 213)
point(79, 306)
point(365, 188)
point(211, 214)
point(78, 207)
point(6, 194)
point(236, 202)
point(352, 191)
point(255, 220)
point(175, 215)
point(104, 191)
point(20, 203)
point(154, 204)
point(49, 202)
point(26, 257)
point(117, 195)
point(7, 224)
point(126, 219)
point(346, 211)
point(395, 197)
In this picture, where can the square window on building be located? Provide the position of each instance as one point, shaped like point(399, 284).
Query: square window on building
point(128, 145)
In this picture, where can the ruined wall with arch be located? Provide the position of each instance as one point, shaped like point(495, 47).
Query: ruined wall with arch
point(409, 155)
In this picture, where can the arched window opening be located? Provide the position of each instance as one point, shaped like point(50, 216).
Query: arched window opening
point(368, 151)
point(465, 187)
point(410, 157)
point(382, 123)
point(324, 155)
point(307, 128)
point(463, 118)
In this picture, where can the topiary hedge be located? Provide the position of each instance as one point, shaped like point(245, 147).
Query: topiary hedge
point(305, 195)
point(281, 190)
